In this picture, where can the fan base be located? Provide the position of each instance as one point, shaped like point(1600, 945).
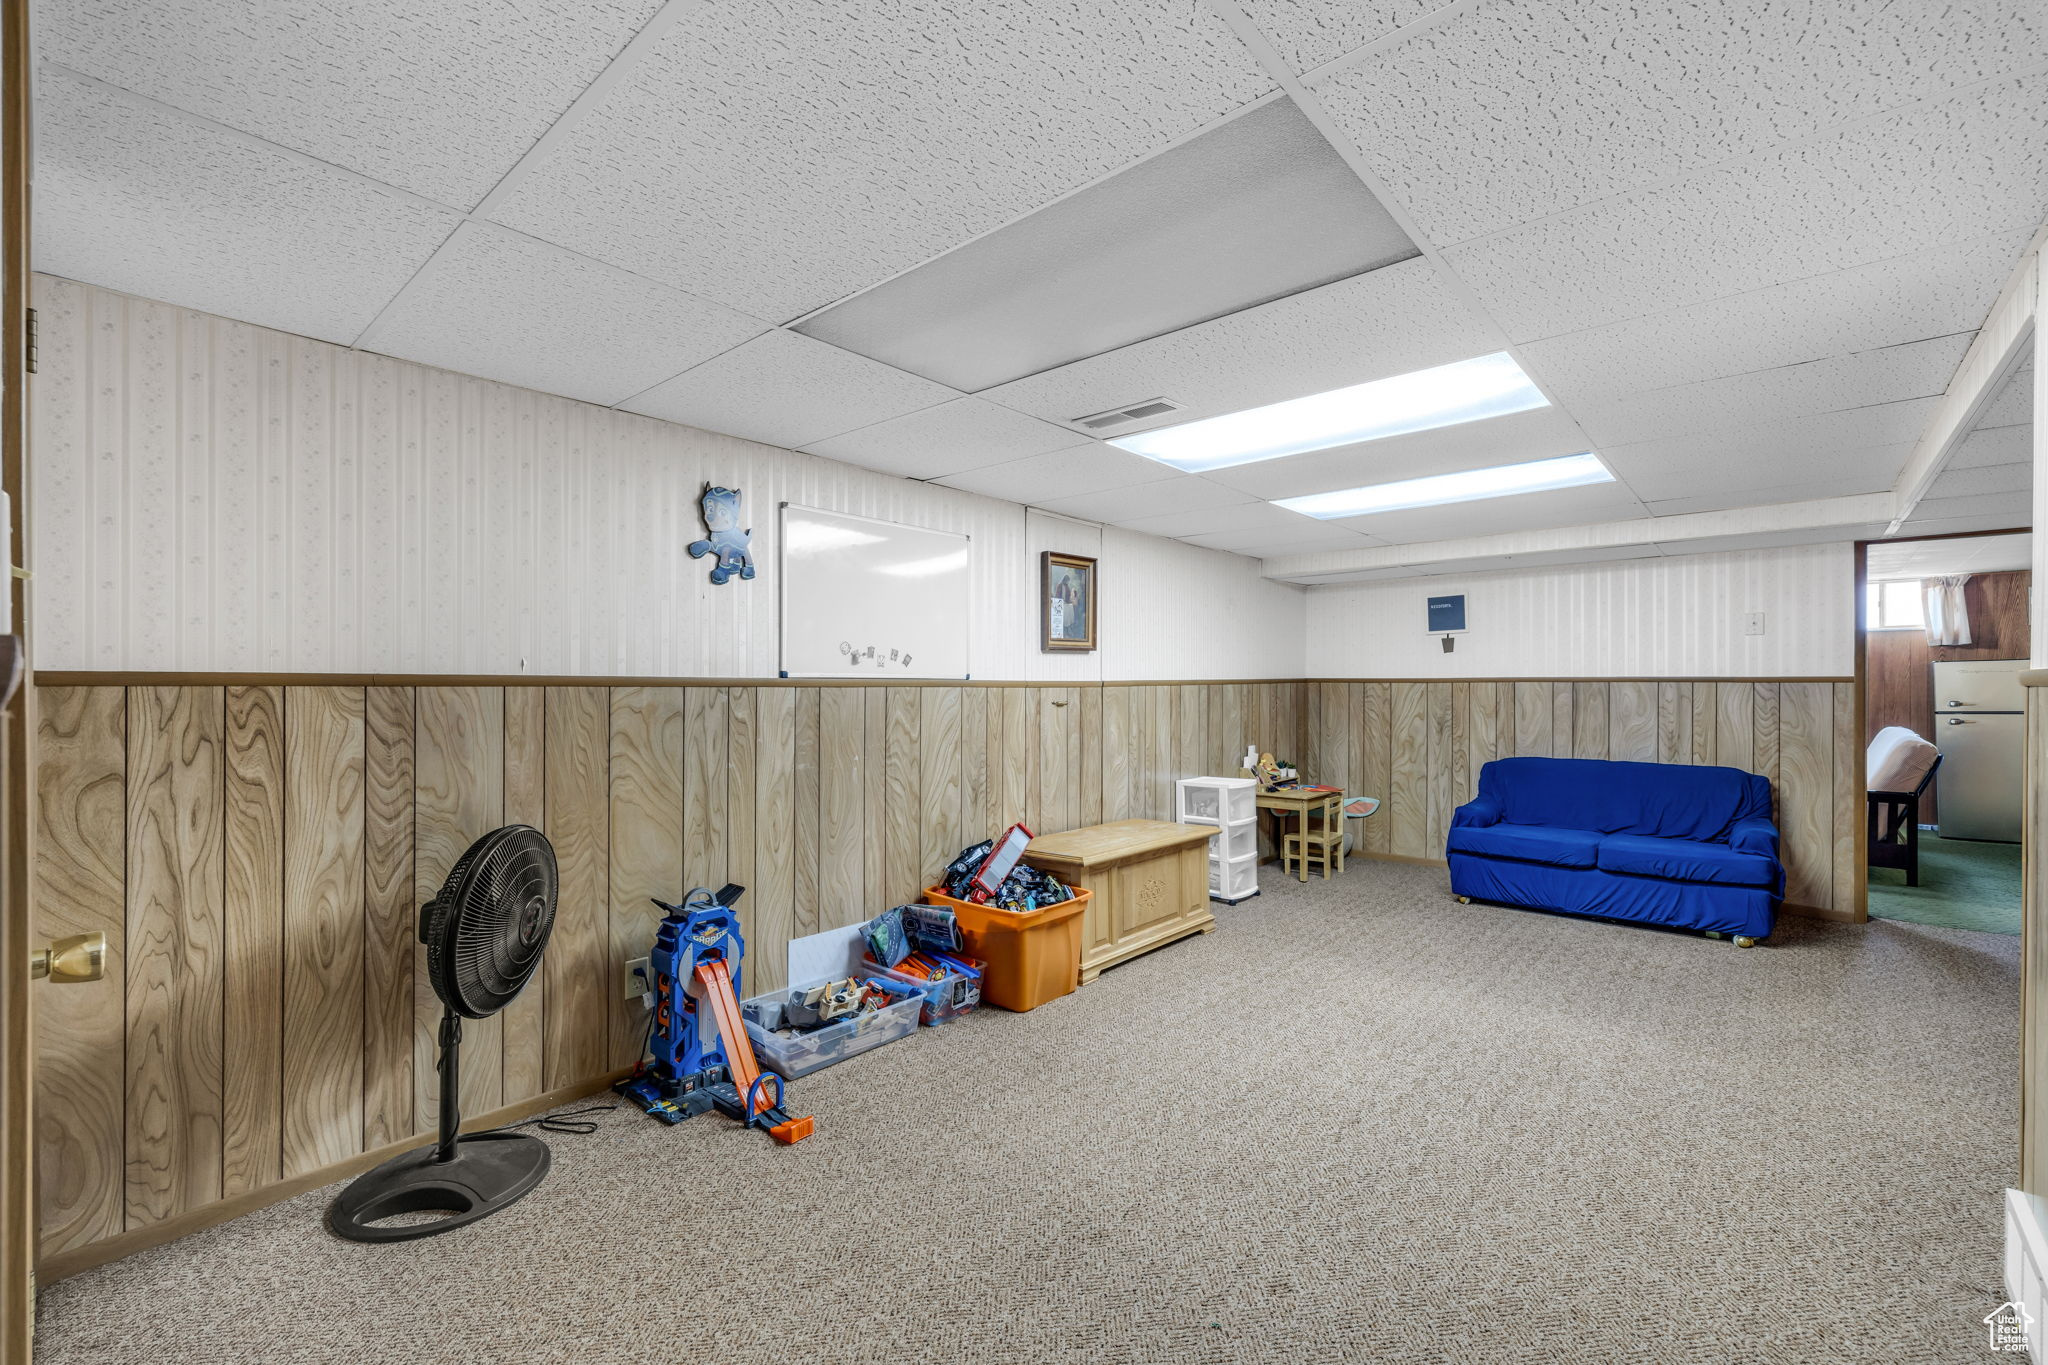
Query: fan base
point(487, 1172)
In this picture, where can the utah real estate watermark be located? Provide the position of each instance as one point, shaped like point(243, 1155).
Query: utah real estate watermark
point(2009, 1325)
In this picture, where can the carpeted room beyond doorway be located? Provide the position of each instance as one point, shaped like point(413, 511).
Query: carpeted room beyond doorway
point(1359, 1121)
point(1964, 884)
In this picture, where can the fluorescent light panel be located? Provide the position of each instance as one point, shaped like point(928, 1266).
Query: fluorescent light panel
point(1467, 485)
point(1463, 391)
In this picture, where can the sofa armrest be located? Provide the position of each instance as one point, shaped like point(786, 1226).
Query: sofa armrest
point(1482, 810)
point(1754, 836)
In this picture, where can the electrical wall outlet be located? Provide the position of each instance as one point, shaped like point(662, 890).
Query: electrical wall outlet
point(1753, 623)
point(636, 981)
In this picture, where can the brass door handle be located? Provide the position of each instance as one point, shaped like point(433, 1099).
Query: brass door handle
point(82, 957)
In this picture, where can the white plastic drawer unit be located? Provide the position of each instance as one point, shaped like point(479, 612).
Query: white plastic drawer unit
point(1233, 842)
point(1232, 878)
point(1216, 800)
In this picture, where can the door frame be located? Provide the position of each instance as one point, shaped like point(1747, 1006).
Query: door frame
point(17, 1098)
point(1862, 660)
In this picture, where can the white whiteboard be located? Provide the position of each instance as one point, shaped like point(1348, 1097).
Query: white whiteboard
point(865, 599)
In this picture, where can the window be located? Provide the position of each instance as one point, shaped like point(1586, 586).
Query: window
point(1895, 606)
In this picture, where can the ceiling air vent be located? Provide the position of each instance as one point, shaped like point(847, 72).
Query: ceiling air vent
point(1148, 411)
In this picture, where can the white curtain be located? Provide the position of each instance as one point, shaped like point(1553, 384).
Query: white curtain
point(1948, 620)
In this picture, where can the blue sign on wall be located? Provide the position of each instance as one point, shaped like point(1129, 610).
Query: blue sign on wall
point(1446, 614)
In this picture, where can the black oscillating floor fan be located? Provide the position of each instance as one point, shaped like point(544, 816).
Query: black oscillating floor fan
point(484, 935)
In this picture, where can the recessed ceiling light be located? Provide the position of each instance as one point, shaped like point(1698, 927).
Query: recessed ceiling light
point(1463, 391)
point(1467, 485)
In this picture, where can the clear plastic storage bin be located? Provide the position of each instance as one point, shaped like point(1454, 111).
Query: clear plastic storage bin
point(799, 1054)
point(945, 999)
point(1216, 800)
point(1234, 841)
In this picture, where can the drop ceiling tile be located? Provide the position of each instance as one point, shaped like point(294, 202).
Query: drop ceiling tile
point(1183, 493)
point(965, 434)
point(1901, 299)
point(1267, 545)
point(440, 99)
point(1994, 445)
point(787, 390)
point(506, 307)
point(1309, 33)
point(1727, 498)
point(1382, 323)
point(1837, 384)
point(1513, 439)
point(1928, 558)
point(1219, 520)
point(1090, 467)
point(1607, 95)
point(779, 154)
point(1493, 516)
point(1958, 169)
point(2016, 512)
point(1126, 260)
point(136, 199)
point(1855, 447)
point(2014, 405)
point(1973, 482)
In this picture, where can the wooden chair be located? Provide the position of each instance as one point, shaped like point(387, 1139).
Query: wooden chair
point(1892, 814)
point(1318, 837)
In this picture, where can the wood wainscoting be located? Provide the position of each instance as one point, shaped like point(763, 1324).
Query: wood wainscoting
point(255, 851)
point(1418, 746)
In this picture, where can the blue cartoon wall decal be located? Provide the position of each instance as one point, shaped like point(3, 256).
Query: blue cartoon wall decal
point(727, 540)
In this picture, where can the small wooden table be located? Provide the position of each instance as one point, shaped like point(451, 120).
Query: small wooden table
point(1298, 804)
point(1150, 879)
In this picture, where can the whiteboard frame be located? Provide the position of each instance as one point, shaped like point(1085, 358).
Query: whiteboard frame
point(971, 626)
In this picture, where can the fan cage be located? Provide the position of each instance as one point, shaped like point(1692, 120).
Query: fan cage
point(487, 929)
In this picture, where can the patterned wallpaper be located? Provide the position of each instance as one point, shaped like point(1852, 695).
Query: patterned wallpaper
point(209, 495)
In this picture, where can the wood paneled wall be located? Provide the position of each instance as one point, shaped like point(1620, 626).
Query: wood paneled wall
point(256, 855)
point(1418, 746)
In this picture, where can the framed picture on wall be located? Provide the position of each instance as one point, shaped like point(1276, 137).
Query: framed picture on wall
point(1067, 608)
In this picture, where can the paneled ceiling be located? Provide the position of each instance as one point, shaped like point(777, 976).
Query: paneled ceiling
point(1988, 484)
point(1741, 244)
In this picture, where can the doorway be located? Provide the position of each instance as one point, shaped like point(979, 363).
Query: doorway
point(1946, 634)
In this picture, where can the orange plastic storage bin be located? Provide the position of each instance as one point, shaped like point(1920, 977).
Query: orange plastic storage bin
point(1031, 958)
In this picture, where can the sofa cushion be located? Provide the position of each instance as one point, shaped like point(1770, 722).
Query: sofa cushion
point(1685, 860)
point(1667, 800)
point(1528, 843)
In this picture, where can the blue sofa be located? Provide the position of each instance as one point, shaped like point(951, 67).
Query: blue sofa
point(1663, 843)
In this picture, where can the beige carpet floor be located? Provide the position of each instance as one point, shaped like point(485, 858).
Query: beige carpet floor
point(1359, 1122)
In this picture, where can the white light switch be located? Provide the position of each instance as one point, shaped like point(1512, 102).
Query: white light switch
point(1753, 623)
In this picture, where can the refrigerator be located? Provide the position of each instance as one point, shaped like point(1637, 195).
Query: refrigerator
point(1980, 728)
